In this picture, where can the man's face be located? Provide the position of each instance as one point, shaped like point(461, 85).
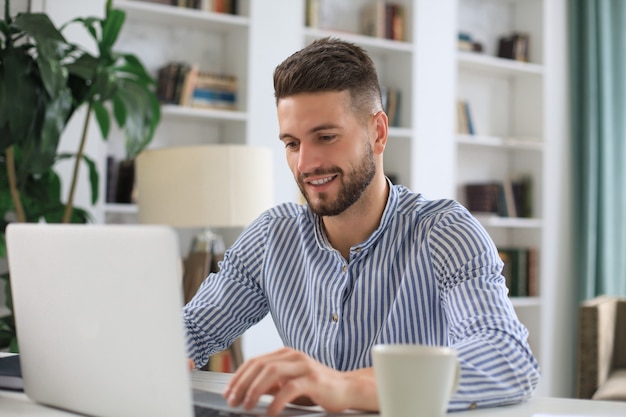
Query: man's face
point(328, 150)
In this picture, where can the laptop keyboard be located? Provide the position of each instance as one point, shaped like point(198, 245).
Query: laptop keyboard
point(204, 411)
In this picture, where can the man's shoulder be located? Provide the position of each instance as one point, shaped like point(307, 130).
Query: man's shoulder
point(286, 211)
point(412, 203)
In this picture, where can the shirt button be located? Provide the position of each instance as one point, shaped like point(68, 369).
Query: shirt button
point(357, 250)
point(472, 405)
point(335, 317)
point(345, 268)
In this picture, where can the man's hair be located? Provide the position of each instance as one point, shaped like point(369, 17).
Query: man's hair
point(331, 64)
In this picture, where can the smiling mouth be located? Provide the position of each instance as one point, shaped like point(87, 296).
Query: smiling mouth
point(322, 181)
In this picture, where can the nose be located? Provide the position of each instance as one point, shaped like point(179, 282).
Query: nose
point(309, 157)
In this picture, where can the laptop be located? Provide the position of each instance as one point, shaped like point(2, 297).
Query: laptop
point(99, 324)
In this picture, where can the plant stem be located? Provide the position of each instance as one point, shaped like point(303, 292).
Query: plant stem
point(15, 193)
point(69, 207)
point(7, 17)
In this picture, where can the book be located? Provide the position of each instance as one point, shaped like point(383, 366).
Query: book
point(515, 270)
point(383, 20)
point(461, 118)
point(312, 13)
point(465, 125)
point(111, 184)
point(483, 197)
point(511, 204)
point(11, 373)
point(398, 21)
point(372, 19)
point(464, 42)
point(214, 91)
point(189, 85)
point(125, 187)
point(533, 271)
point(514, 46)
point(468, 115)
point(165, 82)
point(391, 104)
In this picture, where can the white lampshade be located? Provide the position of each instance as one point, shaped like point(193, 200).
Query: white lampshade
point(204, 186)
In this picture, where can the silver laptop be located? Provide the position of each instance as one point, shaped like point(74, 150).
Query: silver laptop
point(99, 325)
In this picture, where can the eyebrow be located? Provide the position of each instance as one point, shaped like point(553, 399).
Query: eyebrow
point(284, 136)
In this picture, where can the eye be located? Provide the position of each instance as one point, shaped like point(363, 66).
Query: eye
point(327, 138)
point(291, 144)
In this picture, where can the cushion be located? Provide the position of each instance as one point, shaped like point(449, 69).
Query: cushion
point(614, 388)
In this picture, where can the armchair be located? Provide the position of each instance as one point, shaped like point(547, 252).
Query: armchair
point(601, 354)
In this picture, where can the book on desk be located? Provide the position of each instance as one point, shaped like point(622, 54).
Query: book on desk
point(10, 373)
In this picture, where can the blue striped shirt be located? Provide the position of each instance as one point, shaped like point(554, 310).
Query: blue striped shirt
point(429, 274)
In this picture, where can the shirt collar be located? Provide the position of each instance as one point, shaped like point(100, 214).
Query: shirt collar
point(390, 208)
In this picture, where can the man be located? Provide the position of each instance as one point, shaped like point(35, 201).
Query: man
point(364, 262)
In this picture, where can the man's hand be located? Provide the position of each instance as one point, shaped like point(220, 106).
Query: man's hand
point(293, 377)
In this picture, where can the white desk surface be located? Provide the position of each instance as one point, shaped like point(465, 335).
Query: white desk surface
point(16, 404)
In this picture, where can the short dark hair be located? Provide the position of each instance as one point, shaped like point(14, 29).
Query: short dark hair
point(331, 64)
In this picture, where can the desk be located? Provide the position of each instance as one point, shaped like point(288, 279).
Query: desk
point(16, 404)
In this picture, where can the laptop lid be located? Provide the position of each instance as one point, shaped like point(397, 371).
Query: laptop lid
point(98, 316)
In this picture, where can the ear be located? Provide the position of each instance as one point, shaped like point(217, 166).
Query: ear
point(381, 126)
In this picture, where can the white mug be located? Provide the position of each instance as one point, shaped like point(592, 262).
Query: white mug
point(415, 380)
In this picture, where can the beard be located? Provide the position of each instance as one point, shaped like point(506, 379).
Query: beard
point(352, 186)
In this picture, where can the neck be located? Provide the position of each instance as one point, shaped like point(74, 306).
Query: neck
point(358, 222)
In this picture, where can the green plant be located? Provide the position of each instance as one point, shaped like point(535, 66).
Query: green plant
point(44, 79)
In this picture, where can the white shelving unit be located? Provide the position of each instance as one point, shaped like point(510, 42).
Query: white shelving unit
point(215, 42)
point(218, 43)
point(509, 101)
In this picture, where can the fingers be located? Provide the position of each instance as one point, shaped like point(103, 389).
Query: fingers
point(192, 364)
point(267, 374)
point(295, 388)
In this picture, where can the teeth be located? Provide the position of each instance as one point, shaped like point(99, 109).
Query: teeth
point(322, 181)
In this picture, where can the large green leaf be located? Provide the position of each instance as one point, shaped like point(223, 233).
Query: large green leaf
point(53, 73)
point(134, 66)
point(90, 23)
point(39, 26)
point(93, 178)
point(93, 173)
point(105, 85)
point(119, 110)
point(142, 115)
point(57, 112)
point(84, 66)
point(20, 94)
point(102, 116)
point(111, 29)
point(4, 115)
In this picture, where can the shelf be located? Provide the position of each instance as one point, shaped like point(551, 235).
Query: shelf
point(377, 46)
point(172, 15)
point(526, 301)
point(400, 132)
point(497, 66)
point(489, 220)
point(171, 110)
point(531, 144)
point(121, 208)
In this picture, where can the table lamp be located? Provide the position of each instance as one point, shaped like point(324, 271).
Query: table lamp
point(206, 187)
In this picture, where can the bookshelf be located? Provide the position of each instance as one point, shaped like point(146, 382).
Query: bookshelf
point(514, 136)
point(218, 43)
